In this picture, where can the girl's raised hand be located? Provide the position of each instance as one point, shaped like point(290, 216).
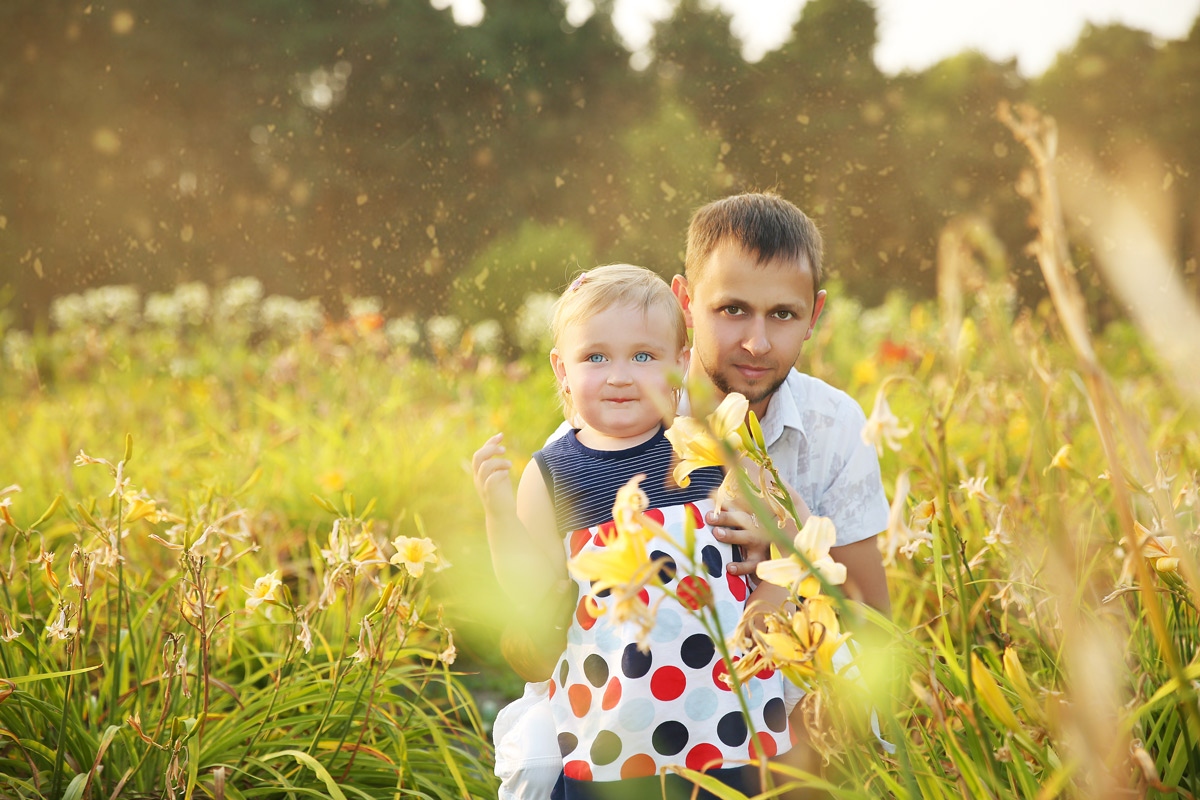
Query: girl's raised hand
point(491, 471)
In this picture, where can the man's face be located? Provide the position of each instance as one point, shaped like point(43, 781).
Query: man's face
point(749, 320)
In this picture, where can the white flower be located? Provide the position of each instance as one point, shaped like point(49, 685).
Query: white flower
point(883, 427)
point(265, 590)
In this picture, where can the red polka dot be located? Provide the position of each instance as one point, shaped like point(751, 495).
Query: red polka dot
point(697, 517)
point(765, 672)
point(719, 672)
point(584, 612)
point(737, 586)
point(655, 515)
point(765, 747)
point(579, 770)
point(792, 736)
point(578, 539)
point(612, 695)
point(581, 699)
point(704, 757)
point(694, 592)
point(644, 596)
point(605, 534)
point(639, 766)
point(667, 683)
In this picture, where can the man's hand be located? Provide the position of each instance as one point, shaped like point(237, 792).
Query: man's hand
point(737, 524)
point(492, 482)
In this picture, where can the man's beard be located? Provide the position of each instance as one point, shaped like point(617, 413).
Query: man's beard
point(725, 388)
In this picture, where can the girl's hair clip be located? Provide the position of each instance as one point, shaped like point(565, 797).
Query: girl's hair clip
point(577, 282)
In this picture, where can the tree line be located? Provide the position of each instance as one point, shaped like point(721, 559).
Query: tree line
point(375, 147)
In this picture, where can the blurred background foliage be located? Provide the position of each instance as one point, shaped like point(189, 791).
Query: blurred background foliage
point(355, 148)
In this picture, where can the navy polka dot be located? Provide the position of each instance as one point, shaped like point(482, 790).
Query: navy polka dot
point(670, 738)
point(697, 650)
point(605, 748)
point(775, 715)
point(635, 663)
point(732, 729)
point(567, 743)
point(602, 593)
point(596, 670)
point(712, 560)
point(562, 673)
point(666, 573)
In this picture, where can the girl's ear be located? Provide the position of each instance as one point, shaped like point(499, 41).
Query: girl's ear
point(556, 363)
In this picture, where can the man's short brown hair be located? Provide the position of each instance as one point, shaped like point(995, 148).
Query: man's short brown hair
point(762, 223)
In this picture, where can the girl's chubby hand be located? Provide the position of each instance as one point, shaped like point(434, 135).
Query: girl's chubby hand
point(491, 472)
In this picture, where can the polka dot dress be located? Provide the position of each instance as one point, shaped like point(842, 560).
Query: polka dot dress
point(622, 713)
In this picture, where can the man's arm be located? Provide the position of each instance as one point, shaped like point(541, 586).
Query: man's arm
point(866, 580)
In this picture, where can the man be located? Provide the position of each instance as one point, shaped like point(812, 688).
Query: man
point(751, 295)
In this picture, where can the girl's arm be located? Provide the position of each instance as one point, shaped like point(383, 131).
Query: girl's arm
point(527, 552)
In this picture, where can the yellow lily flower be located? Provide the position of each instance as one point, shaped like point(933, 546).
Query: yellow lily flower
point(413, 553)
point(1163, 551)
point(624, 560)
point(813, 541)
point(701, 443)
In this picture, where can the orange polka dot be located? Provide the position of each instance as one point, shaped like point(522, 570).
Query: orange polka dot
point(583, 612)
point(765, 745)
point(552, 689)
point(578, 539)
point(704, 757)
point(612, 695)
point(581, 699)
point(639, 766)
point(579, 770)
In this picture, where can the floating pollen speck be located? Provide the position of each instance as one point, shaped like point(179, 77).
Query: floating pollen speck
point(106, 141)
point(186, 233)
point(122, 22)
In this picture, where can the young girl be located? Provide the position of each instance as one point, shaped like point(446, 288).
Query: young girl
point(622, 714)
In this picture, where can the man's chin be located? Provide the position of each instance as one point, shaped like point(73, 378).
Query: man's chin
point(754, 393)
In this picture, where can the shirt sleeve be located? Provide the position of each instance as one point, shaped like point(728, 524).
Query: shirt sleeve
point(853, 498)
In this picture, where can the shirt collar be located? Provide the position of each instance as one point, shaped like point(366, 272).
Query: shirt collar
point(783, 412)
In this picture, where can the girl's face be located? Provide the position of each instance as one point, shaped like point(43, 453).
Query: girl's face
point(617, 365)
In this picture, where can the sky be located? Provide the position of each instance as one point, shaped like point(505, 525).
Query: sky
point(913, 34)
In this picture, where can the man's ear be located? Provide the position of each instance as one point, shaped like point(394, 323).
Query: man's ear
point(818, 306)
point(679, 287)
point(685, 358)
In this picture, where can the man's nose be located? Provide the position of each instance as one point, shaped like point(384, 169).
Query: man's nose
point(756, 342)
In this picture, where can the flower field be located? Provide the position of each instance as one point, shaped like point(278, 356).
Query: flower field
point(242, 557)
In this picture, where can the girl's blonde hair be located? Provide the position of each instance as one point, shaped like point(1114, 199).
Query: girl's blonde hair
point(610, 286)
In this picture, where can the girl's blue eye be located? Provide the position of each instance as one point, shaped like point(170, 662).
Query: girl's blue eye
point(595, 358)
point(642, 358)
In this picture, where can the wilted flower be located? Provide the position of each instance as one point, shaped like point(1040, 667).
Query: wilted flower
point(702, 443)
point(813, 542)
point(883, 427)
point(10, 634)
point(265, 590)
point(413, 553)
point(366, 642)
point(304, 634)
point(448, 655)
point(800, 647)
point(974, 488)
point(60, 629)
point(900, 536)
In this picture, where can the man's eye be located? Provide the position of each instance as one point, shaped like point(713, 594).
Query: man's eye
point(642, 358)
point(595, 358)
point(785, 315)
point(732, 311)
